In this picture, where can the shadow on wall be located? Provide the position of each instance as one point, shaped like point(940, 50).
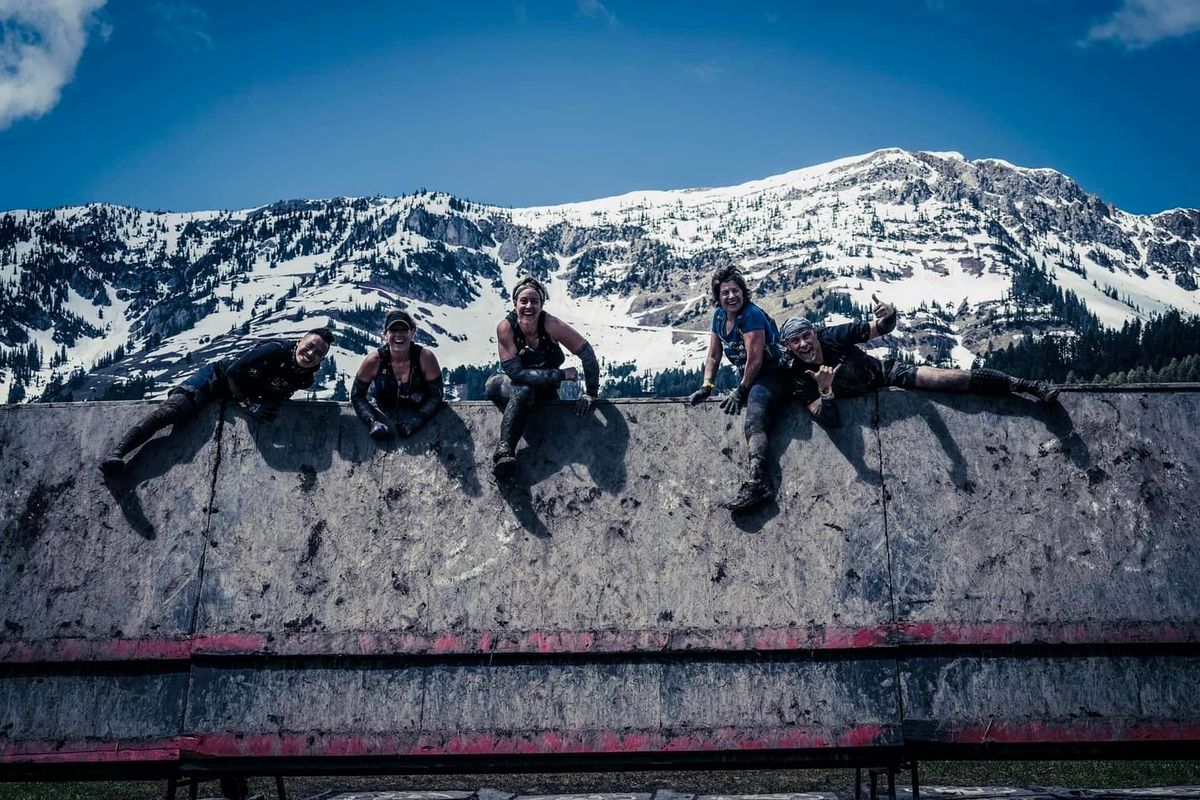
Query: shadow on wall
point(556, 440)
point(154, 459)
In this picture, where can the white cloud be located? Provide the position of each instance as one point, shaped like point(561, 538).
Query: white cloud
point(597, 10)
point(41, 42)
point(182, 24)
point(1140, 23)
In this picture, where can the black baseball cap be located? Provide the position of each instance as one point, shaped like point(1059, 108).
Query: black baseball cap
point(398, 316)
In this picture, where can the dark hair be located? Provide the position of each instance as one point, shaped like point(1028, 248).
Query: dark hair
point(324, 333)
point(525, 283)
point(728, 274)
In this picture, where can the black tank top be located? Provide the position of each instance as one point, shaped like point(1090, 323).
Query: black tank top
point(389, 392)
point(548, 355)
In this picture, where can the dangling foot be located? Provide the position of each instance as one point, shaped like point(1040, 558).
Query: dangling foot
point(113, 465)
point(1042, 391)
point(750, 494)
point(504, 463)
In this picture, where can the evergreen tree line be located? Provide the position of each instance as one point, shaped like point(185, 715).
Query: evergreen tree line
point(1162, 349)
point(621, 382)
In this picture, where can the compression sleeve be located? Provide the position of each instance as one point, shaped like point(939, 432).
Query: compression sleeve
point(434, 397)
point(591, 370)
point(537, 378)
point(360, 403)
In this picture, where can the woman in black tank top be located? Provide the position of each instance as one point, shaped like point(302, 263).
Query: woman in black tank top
point(530, 344)
point(403, 380)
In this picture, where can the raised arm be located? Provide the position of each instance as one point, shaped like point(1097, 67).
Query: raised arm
point(885, 318)
point(824, 408)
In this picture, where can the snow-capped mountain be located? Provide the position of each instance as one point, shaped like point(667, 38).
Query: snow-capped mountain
point(106, 292)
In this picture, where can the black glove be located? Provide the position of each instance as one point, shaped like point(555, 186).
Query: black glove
point(699, 396)
point(380, 432)
point(733, 402)
point(410, 426)
point(263, 411)
point(584, 404)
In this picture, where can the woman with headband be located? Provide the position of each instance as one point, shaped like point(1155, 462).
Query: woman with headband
point(530, 343)
point(401, 377)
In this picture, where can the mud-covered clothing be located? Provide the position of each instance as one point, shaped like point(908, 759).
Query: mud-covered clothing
point(750, 318)
point(768, 390)
point(532, 377)
point(267, 373)
point(859, 373)
point(547, 355)
point(389, 392)
point(410, 403)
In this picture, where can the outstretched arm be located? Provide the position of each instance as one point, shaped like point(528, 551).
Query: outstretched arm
point(509, 362)
point(885, 318)
point(712, 362)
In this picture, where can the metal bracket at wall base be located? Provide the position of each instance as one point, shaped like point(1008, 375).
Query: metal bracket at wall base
point(233, 787)
point(873, 774)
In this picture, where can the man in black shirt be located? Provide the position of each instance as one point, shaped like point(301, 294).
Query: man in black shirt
point(258, 381)
point(827, 363)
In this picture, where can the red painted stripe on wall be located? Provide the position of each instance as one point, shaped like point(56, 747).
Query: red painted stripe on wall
point(813, 637)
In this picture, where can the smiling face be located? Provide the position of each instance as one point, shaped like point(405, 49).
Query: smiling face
point(731, 296)
point(805, 346)
point(528, 304)
point(311, 350)
point(398, 335)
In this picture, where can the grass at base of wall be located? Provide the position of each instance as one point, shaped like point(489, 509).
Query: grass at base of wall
point(1068, 774)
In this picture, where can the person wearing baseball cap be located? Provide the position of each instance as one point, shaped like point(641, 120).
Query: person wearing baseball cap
point(398, 387)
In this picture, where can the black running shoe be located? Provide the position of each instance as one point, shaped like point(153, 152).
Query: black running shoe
point(750, 494)
point(1044, 391)
point(504, 464)
point(112, 466)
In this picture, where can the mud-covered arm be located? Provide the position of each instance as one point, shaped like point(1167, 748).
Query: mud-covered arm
point(573, 340)
point(362, 383)
point(435, 390)
point(885, 318)
point(591, 369)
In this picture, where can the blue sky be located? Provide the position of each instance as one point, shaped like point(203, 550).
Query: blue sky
point(167, 104)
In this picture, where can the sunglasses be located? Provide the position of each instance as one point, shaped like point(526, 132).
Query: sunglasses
point(398, 327)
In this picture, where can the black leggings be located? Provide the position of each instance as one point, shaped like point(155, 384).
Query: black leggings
point(770, 388)
point(180, 406)
point(516, 400)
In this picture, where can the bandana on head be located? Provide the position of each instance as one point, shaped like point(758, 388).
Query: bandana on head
point(794, 326)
